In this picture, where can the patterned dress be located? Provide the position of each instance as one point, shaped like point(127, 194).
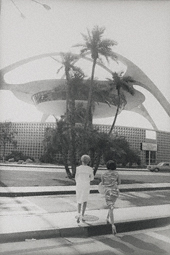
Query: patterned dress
point(110, 182)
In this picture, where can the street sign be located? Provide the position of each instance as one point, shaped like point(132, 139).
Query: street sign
point(149, 147)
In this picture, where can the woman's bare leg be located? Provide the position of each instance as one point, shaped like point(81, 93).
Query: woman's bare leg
point(112, 220)
point(84, 208)
point(79, 208)
point(107, 218)
point(111, 216)
point(79, 212)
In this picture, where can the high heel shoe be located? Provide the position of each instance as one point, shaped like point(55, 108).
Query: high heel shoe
point(78, 218)
point(82, 218)
point(114, 229)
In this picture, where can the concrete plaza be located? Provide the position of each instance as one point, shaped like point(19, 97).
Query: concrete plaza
point(22, 219)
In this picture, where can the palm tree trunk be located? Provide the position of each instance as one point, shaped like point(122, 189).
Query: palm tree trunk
point(67, 94)
point(4, 148)
point(98, 161)
point(88, 119)
point(64, 156)
point(72, 133)
point(70, 112)
point(115, 118)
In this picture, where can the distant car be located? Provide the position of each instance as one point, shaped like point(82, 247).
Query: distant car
point(162, 166)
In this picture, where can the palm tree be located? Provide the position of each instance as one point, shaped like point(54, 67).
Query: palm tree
point(120, 83)
point(73, 76)
point(56, 141)
point(67, 62)
point(95, 45)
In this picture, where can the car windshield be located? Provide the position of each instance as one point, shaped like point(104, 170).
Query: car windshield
point(160, 164)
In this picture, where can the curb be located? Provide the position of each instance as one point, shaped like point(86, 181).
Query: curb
point(84, 231)
point(62, 167)
point(72, 191)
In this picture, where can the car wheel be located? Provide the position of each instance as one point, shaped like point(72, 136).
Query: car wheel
point(156, 169)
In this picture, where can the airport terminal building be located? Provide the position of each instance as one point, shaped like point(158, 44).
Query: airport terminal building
point(47, 96)
point(153, 146)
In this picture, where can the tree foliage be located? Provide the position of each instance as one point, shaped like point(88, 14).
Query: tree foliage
point(96, 46)
point(100, 146)
point(70, 140)
point(7, 136)
point(121, 83)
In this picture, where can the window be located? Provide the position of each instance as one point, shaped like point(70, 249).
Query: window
point(152, 157)
point(150, 134)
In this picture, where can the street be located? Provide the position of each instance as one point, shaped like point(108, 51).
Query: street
point(144, 242)
point(26, 176)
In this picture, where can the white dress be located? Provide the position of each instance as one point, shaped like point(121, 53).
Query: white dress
point(84, 174)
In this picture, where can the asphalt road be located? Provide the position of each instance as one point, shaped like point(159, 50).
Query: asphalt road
point(25, 176)
point(145, 242)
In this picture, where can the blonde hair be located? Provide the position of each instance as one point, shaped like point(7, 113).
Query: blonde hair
point(85, 159)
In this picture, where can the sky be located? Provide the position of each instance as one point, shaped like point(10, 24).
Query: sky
point(141, 29)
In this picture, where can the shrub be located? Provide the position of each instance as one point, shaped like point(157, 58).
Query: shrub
point(18, 155)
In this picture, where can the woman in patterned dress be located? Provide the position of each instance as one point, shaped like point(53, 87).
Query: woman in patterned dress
point(110, 181)
point(84, 174)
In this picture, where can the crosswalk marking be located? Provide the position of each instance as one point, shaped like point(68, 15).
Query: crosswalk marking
point(135, 194)
point(159, 237)
point(19, 206)
point(100, 246)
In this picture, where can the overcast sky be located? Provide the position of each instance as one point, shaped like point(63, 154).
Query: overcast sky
point(141, 29)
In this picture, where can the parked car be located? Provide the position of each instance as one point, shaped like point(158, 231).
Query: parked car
point(162, 166)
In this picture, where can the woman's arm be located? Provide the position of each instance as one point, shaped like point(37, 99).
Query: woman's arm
point(76, 175)
point(118, 180)
point(91, 176)
point(102, 179)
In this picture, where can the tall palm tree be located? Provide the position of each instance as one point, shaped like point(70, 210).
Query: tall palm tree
point(67, 62)
point(121, 83)
point(96, 46)
point(73, 75)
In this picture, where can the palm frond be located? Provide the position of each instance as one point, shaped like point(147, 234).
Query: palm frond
point(87, 38)
point(129, 79)
point(58, 70)
point(100, 61)
point(84, 50)
point(97, 32)
point(127, 87)
point(79, 45)
point(59, 61)
point(108, 43)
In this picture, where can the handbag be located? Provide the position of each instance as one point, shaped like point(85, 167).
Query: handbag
point(101, 188)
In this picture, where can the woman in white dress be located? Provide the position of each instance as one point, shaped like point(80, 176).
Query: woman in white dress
point(84, 174)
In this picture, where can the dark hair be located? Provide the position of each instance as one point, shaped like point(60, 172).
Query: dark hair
point(111, 165)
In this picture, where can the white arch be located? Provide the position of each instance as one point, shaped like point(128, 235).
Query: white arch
point(132, 70)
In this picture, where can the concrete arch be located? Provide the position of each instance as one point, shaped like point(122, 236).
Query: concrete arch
point(132, 70)
point(144, 81)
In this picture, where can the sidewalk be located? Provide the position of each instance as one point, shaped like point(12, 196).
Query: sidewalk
point(24, 227)
point(37, 225)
